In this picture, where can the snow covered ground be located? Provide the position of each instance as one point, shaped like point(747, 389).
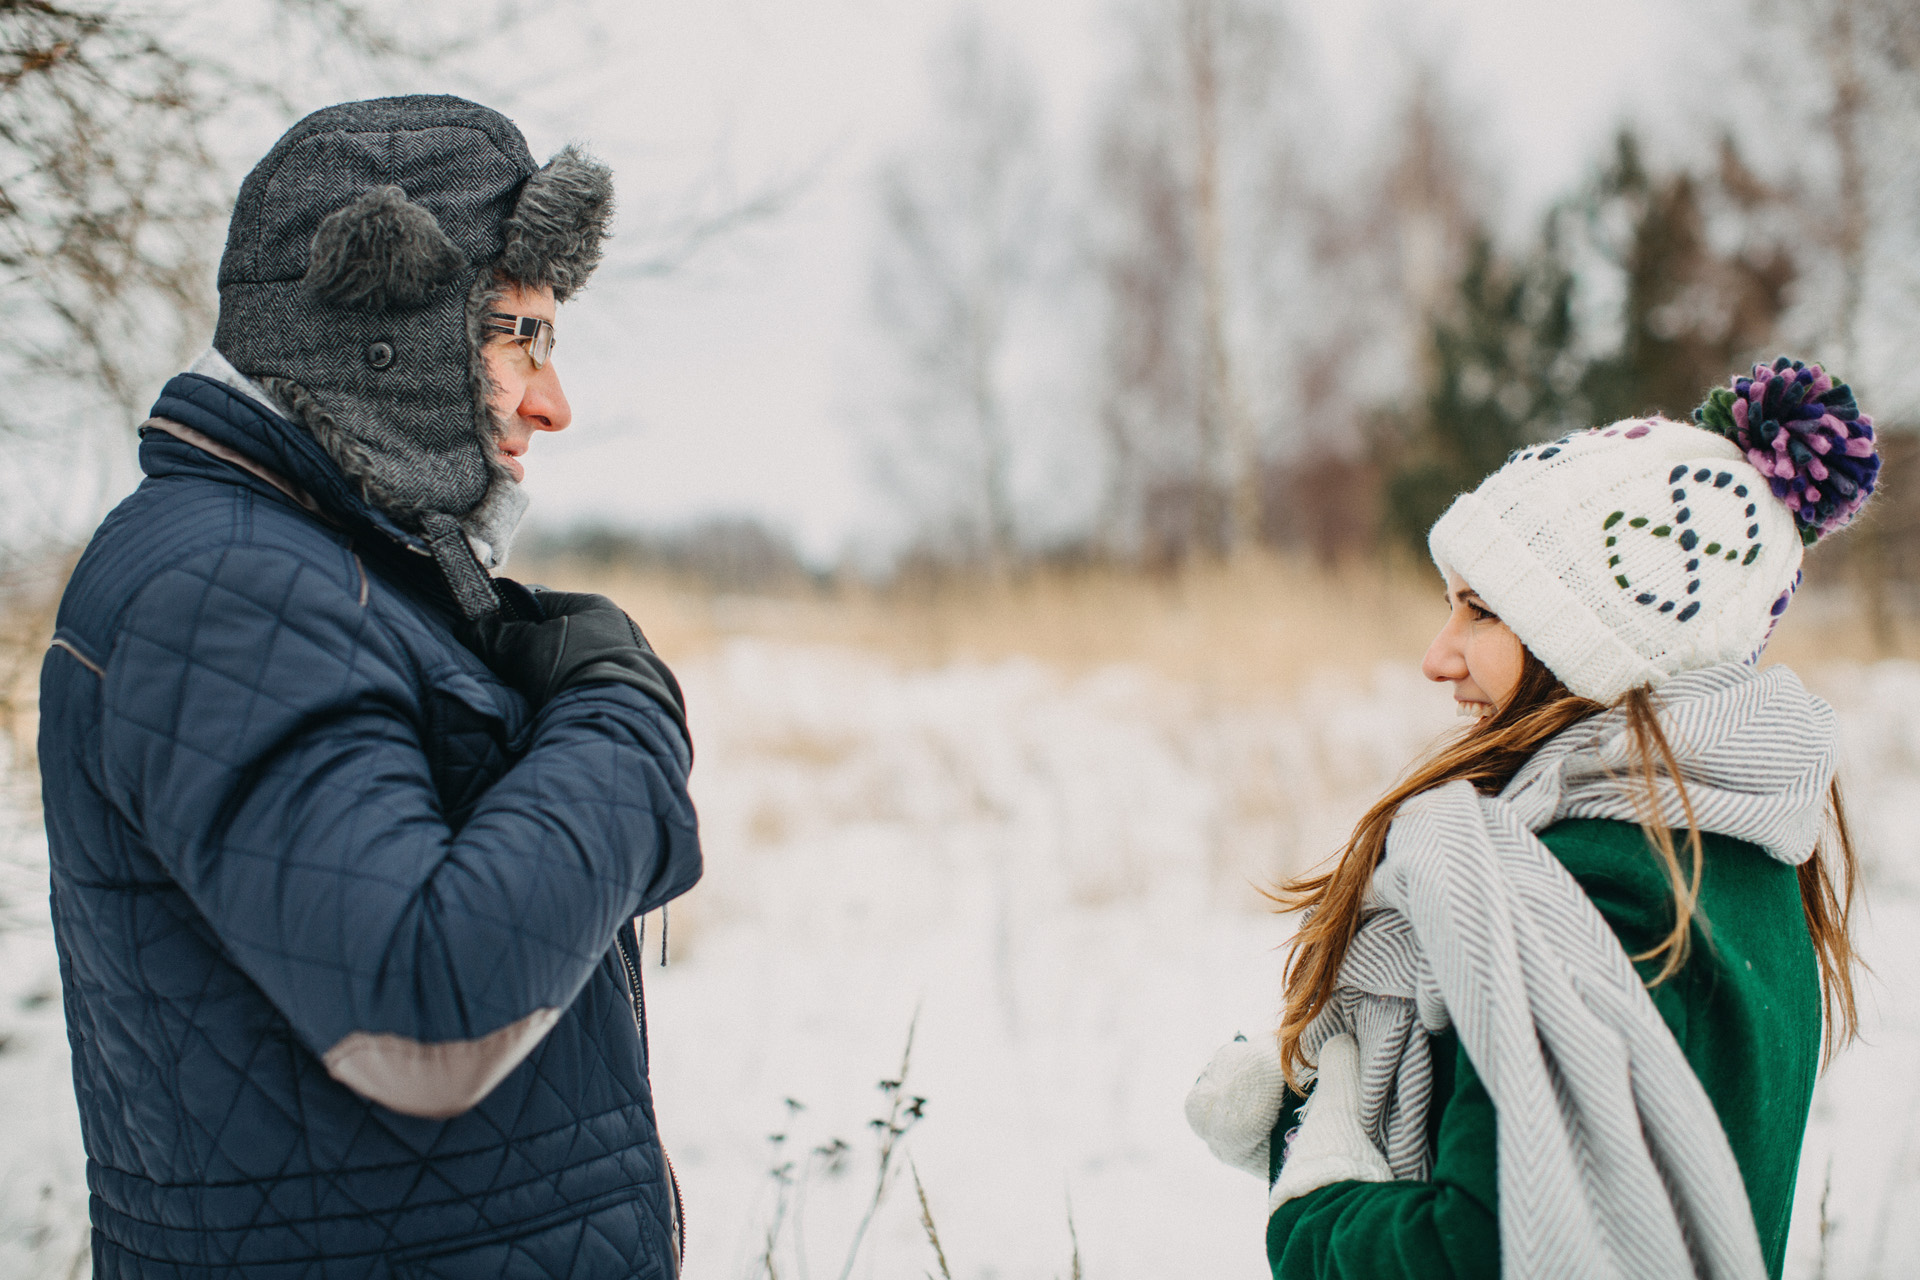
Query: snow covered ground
point(1057, 876)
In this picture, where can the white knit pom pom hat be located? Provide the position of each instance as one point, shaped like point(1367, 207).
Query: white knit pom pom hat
point(1627, 553)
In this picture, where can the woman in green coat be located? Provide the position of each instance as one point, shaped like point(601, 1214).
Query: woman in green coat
point(1558, 1007)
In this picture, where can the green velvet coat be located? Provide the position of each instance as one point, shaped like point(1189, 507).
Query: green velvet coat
point(1745, 1010)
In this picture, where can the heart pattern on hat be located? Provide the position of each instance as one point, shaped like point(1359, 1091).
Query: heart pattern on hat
point(1623, 554)
point(1691, 533)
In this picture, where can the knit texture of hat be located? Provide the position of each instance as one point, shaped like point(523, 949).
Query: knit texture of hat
point(1625, 554)
point(362, 254)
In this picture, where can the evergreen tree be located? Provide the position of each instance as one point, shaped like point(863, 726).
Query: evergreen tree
point(1692, 314)
point(1502, 369)
point(1512, 360)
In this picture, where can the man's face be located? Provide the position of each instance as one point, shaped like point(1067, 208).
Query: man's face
point(525, 399)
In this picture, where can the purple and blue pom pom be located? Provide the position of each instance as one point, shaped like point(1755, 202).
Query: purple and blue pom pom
point(1801, 430)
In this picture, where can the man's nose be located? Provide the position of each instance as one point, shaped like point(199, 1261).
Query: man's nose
point(545, 404)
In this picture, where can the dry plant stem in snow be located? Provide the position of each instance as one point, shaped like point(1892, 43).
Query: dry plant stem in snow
point(829, 1157)
point(790, 1197)
point(904, 1110)
point(782, 1175)
point(902, 1114)
point(1826, 1224)
point(926, 1223)
point(1074, 1236)
point(939, 1251)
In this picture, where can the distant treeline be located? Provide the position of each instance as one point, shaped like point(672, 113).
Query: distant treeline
point(1206, 328)
point(731, 554)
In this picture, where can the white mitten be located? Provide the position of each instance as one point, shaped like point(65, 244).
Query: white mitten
point(1331, 1145)
point(1234, 1104)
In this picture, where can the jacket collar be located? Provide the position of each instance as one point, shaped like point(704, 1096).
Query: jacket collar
point(238, 422)
point(232, 435)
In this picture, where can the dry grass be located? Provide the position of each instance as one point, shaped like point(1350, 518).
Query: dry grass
point(1829, 624)
point(1258, 625)
point(1261, 625)
point(29, 599)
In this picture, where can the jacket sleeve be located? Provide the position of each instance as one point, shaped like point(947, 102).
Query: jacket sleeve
point(1446, 1228)
point(264, 734)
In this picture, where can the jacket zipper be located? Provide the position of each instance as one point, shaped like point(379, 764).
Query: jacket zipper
point(679, 1224)
point(677, 1229)
point(631, 963)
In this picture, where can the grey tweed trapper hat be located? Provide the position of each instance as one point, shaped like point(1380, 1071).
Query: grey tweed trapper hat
point(362, 255)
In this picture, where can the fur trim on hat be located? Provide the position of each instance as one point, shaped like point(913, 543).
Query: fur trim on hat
point(493, 521)
point(353, 458)
point(555, 231)
point(488, 294)
point(383, 252)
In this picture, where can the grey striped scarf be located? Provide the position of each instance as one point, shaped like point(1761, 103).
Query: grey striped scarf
point(1612, 1163)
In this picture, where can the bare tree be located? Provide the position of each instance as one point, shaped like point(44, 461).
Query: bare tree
point(111, 209)
point(1845, 120)
point(963, 215)
point(1148, 268)
point(105, 202)
point(1185, 158)
point(1388, 239)
point(1868, 76)
point(1433, 200)
point(1225, 421)
point(104, 207)
point(1861, 96)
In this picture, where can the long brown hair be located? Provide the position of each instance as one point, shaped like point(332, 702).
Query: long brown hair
point(1488, 755)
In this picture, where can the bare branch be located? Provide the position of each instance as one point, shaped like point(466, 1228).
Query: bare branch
point(963, 209)
point(927, 1223)
point(675, 242)
point(360, 28)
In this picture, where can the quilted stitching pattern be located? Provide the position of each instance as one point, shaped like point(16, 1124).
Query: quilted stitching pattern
point(281, 816)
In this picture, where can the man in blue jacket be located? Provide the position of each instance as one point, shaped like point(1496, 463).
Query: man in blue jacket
point(348, 834)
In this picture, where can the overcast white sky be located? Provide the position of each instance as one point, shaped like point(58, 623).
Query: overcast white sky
point(725, 389)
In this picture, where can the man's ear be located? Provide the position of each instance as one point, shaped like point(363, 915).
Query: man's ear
point(383, 252)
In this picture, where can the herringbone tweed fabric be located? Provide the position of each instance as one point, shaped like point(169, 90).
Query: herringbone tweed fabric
point(1612, 1162)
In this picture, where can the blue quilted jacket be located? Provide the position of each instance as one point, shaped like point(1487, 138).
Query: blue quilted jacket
point(336, 913)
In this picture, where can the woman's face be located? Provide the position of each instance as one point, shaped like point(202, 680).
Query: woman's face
point(1476, 652)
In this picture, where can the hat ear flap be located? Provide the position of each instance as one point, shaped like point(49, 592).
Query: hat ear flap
point(383, 252)
point(558, 223)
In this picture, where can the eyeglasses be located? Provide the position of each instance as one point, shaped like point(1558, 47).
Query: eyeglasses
point(532, 330)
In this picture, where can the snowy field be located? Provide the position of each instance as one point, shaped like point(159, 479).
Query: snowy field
point(1058, 874)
